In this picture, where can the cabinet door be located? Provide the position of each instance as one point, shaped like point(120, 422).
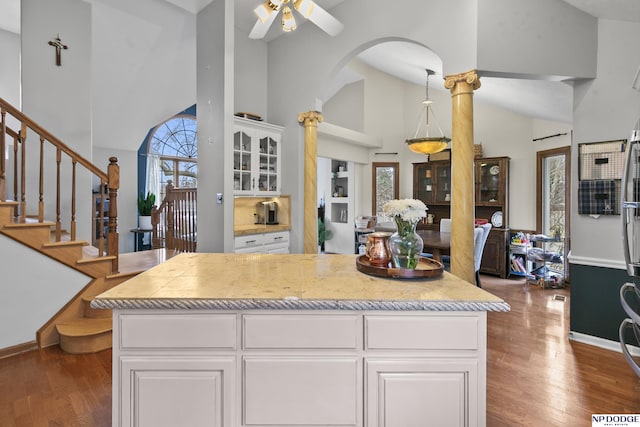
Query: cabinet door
point(176, 391)
point(268, 163)
point(442, 172)
point(301, 391)
point(243, 142)
point(256, 158)
point(494, 256)
point(423, 182)
point(490, 181)
point(422, 392)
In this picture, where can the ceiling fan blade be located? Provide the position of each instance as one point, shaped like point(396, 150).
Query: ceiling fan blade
point(323, 19)
point(260, 29)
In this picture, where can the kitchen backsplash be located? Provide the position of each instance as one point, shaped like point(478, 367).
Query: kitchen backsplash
point(244, 209)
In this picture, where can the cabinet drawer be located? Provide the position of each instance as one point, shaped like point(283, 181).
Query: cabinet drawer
point(278, 237)
point(282, 248)
point(178, 331)
point(300, 331)
point(422, 332)
point(248, 241)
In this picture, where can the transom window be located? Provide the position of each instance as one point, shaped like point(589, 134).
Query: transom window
point(175, 145)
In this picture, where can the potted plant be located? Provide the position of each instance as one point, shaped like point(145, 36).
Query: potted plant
point(323, 234)
point(145, 205)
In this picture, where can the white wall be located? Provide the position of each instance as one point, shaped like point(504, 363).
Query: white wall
point(606, 108)
point(33, 288)
point(250, 74)
point(215, 83)
point(57, 98)
point(543, 38)
point(10, 67)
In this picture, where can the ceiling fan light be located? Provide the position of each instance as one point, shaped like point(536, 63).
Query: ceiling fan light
point(427, 145)
point(288, 21)
point(266, 9)
point(304, 7)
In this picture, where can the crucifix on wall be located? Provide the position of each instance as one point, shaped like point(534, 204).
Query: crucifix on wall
point(57, 43)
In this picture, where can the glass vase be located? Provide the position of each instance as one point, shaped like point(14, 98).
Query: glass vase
point(405, 244)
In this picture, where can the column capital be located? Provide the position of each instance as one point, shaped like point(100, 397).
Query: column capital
point(310, 118)
point(466, 82)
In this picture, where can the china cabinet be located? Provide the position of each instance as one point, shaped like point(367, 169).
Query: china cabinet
point(256, 158)
point(432, 184)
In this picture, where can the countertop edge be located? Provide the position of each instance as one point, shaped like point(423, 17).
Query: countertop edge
point(297, 304)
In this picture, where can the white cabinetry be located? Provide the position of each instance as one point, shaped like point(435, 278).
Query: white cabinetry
point(170, 378)
point(271, 243)
point(256, 158)
point(296, 368)
point(339, 204)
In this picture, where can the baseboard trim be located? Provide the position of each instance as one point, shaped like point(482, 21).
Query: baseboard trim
point(17, 349)
point(602, 343)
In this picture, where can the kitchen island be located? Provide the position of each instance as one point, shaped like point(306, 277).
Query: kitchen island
point(296, 340)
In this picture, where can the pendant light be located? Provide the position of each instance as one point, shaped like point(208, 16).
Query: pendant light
point(427, 144)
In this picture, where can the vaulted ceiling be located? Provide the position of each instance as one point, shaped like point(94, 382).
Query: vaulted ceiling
point(540, 99)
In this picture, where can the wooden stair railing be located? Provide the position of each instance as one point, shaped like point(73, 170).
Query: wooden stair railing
point(109, 179)
point(173, 223)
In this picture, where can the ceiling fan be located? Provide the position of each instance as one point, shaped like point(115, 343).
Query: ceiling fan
point(310, 10)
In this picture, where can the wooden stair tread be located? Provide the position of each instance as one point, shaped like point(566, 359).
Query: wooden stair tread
point(84, 327)
point(29, 224)
point(66, 243)
point(100, 259)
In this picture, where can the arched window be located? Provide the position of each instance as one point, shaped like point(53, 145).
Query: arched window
point(173, 155)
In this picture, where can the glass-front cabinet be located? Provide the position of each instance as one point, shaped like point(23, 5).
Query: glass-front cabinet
point(490, 178)
point(442, 172)
point(242, 163)
point(432, 184)
point(256, 158)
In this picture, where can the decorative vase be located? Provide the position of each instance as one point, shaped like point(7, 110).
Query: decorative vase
point(405, 244)
point(377, 248)
point(144, 222)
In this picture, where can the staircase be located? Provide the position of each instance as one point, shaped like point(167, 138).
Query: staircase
point(76, 327)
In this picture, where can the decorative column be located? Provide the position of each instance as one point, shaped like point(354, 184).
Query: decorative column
point(310, 121)
point(462, 174)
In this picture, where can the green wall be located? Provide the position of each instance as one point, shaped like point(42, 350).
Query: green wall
point(595, 300)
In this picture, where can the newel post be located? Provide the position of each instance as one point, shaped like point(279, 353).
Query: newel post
point(113, 181)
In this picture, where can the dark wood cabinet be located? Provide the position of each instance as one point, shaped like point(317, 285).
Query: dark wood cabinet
point(432, 185)
point(495, 254)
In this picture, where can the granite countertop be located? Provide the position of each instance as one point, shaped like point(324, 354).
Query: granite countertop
point(292, 281)
point(243, 230)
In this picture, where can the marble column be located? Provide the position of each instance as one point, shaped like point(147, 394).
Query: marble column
point(310, 121)
point(462, 173)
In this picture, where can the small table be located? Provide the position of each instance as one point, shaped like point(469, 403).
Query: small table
point(435, 242)
point(138, 239)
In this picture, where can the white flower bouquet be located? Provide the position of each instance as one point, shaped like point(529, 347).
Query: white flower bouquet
point(410, 210)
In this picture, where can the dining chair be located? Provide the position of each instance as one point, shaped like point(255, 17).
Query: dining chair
point(480, 235)
point(445, 227)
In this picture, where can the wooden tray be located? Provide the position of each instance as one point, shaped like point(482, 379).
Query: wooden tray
point(427, 267)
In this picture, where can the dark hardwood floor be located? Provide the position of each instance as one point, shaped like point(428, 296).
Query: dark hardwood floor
point(536, 376)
